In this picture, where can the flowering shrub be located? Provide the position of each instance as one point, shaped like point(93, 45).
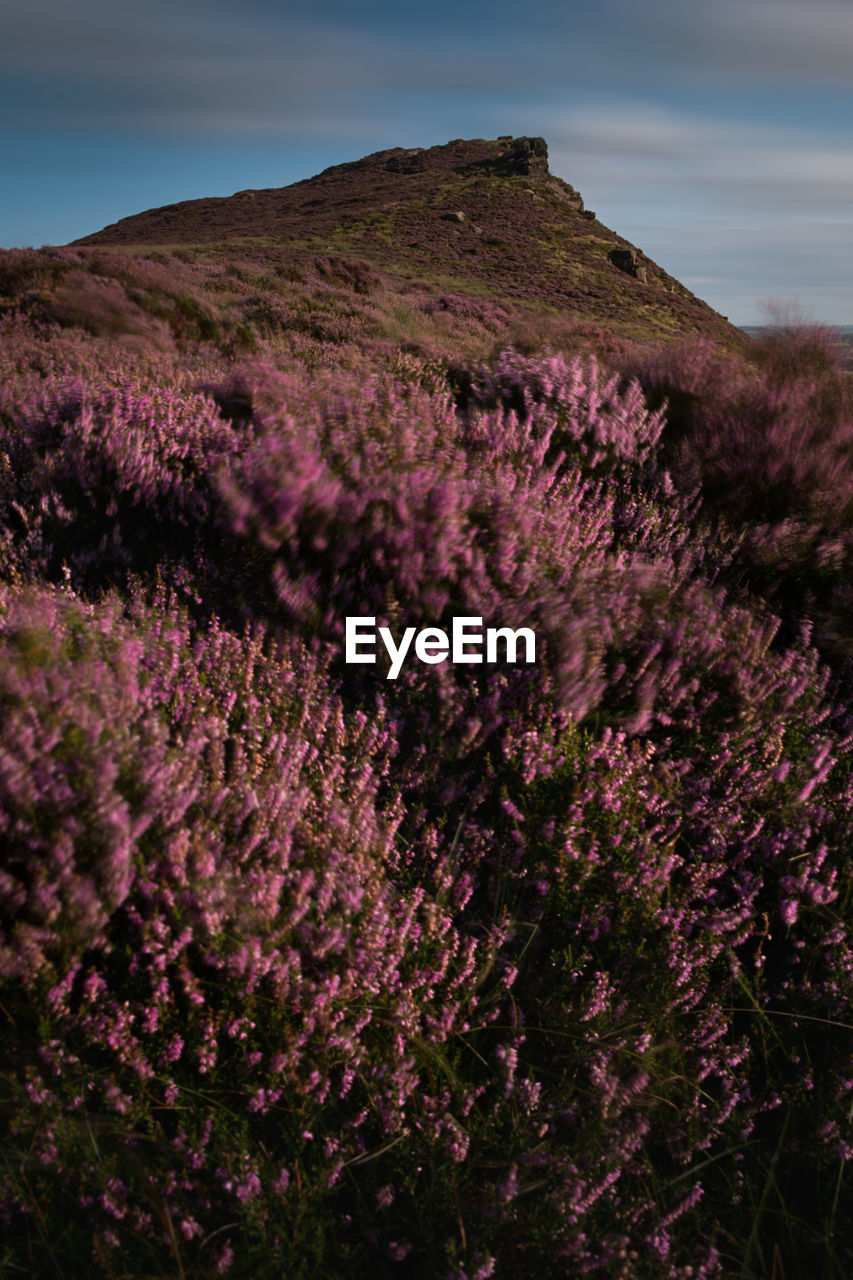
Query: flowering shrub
point(230, 927)
point(73, 750)
point(584, 412)
point(771, 445)
point(494, 970)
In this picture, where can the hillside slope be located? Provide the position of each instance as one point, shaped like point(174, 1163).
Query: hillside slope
point(486, 218)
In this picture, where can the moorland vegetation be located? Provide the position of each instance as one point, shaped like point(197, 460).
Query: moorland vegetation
point(530, 970)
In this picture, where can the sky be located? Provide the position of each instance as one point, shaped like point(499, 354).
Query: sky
point(717, 138)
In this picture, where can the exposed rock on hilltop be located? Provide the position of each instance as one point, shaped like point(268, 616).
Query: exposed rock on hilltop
point(478, 217)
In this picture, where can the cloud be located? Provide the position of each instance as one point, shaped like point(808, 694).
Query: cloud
point(262, 66)
point(781, 39)
point(156, 69)
point(790, 43)
point(211, 67)
point(682, 159)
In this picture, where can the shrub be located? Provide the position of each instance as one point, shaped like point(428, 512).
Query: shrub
point(484, 970)
point(771, 446)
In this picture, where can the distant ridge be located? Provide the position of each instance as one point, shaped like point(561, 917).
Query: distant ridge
point(481, 217)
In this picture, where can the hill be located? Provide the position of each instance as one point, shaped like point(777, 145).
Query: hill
point(486, 219)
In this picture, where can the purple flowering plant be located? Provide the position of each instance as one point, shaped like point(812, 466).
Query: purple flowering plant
point(484, 971)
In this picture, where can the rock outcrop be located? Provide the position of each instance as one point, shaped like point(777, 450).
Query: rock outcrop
point(525, 156)
point(628, 260)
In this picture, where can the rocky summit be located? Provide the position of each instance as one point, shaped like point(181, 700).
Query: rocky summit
point(484, 218)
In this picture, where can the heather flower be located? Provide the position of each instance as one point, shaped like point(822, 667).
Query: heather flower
point(384, 1197)
point(399, 1250)
point(286, 948)
point(225, 1258)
